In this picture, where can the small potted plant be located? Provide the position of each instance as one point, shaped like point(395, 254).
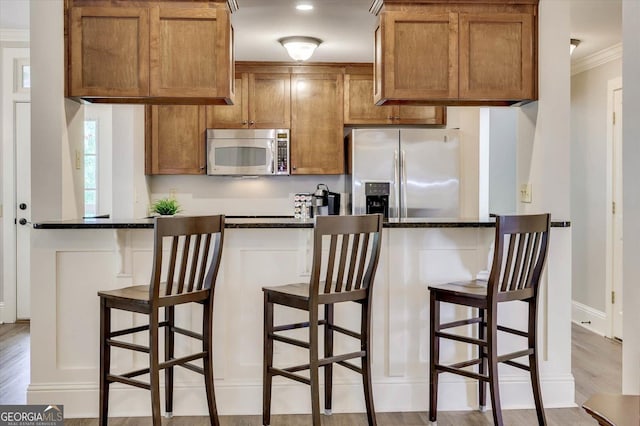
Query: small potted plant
point(165, 207)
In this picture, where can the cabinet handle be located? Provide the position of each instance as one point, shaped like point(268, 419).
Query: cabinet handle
point(396, 118)
point(244, 122)
point(293, 167)
point(389, 118)
point(252, 122)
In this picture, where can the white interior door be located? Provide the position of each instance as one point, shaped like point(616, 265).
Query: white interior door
point(616, 296)
point(23, 208)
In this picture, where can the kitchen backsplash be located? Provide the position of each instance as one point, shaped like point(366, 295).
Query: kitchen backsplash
point(270, 196)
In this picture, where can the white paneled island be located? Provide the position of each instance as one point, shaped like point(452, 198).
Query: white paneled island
point(73, 260)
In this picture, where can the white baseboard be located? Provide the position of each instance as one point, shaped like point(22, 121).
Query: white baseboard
point(1, 312)
point(245, 398)
point(589, 318)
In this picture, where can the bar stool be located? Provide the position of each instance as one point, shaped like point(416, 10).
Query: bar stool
point(188, 276)
point(516, 276)
point(355, 247)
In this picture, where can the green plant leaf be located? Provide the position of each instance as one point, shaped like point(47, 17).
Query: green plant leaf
point(165, 206)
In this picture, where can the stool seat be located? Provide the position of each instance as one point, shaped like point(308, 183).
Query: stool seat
point(614, 410)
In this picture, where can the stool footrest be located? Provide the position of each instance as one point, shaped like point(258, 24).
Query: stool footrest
point(460, 323)
point(506, 357)
point(192, 367)
point(450, 369)
point(345, 331)
point(294, 326)
point(136, 373)
point(464, 364)
point(290, 341)
point(128, 381)
point(517, 365)
point(182, 360)
point(513, 331)
point(130, 346)
point(464, 339)
point(339, 358)
point(288, 375)
point(187, 333)
point(350, 366)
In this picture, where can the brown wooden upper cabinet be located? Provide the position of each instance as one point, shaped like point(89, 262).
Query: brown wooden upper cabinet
point(263, 101)
point(153, 52)
point(359, 107)
point(317, 145)
point(456, 53)
point(175, 140)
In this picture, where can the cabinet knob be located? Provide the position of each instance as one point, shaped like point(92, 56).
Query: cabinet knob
point(252, 122)
point(244, 122)
point(389, 118)
point(293, 167)
point(396, 118)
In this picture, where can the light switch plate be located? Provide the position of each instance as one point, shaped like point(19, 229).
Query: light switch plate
point(525, 193)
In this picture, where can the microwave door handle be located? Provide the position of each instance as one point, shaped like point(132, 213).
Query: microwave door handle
point(272, 166)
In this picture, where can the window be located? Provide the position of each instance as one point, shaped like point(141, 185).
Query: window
point(22, 75)
point(90, 167)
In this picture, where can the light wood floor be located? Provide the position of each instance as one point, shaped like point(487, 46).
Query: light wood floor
point(596, 366)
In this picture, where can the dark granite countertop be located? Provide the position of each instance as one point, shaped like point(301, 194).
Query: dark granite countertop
point(282, 222)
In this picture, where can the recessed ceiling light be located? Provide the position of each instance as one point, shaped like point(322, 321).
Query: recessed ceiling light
point(304, 7)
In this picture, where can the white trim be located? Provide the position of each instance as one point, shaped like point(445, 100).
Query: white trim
point(80, 400)
point(612, 86)
point(596, 59)
point(8, 35)
point(589, 318)
point(1, 312)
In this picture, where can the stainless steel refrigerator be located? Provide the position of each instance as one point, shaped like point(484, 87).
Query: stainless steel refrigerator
point(419, 169)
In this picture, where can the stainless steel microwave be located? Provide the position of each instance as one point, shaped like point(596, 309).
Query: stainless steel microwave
point(248, 151)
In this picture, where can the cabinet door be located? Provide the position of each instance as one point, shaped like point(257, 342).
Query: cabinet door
point(359, 107)
point(416, 56)
point(231, 116)
point(420, 115)
point(176, 140)
point(496, 56)
point(269, 101)
point(109, 52)
point(191, 54)
point(317, 145)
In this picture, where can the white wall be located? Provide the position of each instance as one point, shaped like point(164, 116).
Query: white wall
point(631, 194)
point(589, 165)
point(502, 160)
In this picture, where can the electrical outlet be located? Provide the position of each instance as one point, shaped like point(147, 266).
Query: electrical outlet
point(172, 192)
point(525, 193)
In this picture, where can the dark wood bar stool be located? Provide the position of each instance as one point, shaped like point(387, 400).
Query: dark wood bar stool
point(188, 276)
point(351, 263)
point(521, 245)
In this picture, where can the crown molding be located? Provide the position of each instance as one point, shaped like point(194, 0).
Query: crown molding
point(596, 59)
point(14, 35)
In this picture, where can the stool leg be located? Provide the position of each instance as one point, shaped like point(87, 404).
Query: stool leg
point(434, 356)
point(492, 355)
point(328, 352)
point(267, 377)
point(482, 367)
point(207, 362)
point(169, 343)
point(154, 372)
point(533, 363)
point(365, 344)
point(313, 365)
point(105, 361)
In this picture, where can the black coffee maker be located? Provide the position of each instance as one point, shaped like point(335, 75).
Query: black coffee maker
point(325, 202)
point(377, 198)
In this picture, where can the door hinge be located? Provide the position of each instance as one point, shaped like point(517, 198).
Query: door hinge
point(613, 207)
point(613, 297)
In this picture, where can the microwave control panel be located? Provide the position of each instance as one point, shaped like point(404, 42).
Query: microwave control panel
point(282, 153)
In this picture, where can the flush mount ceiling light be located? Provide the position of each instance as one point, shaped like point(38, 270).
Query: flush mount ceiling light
point(574, 43)
point(304, 7)
point(300, 48)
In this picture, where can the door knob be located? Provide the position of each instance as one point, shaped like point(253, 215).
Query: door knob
point(22, 206)
point(22, 221)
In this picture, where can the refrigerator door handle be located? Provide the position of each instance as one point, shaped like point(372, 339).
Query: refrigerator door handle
point(403, 184)
point(396, 183)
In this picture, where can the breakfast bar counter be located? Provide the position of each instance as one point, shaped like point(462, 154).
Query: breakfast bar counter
point(72, 260)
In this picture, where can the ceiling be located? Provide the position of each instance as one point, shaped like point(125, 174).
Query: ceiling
point(346, 27)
